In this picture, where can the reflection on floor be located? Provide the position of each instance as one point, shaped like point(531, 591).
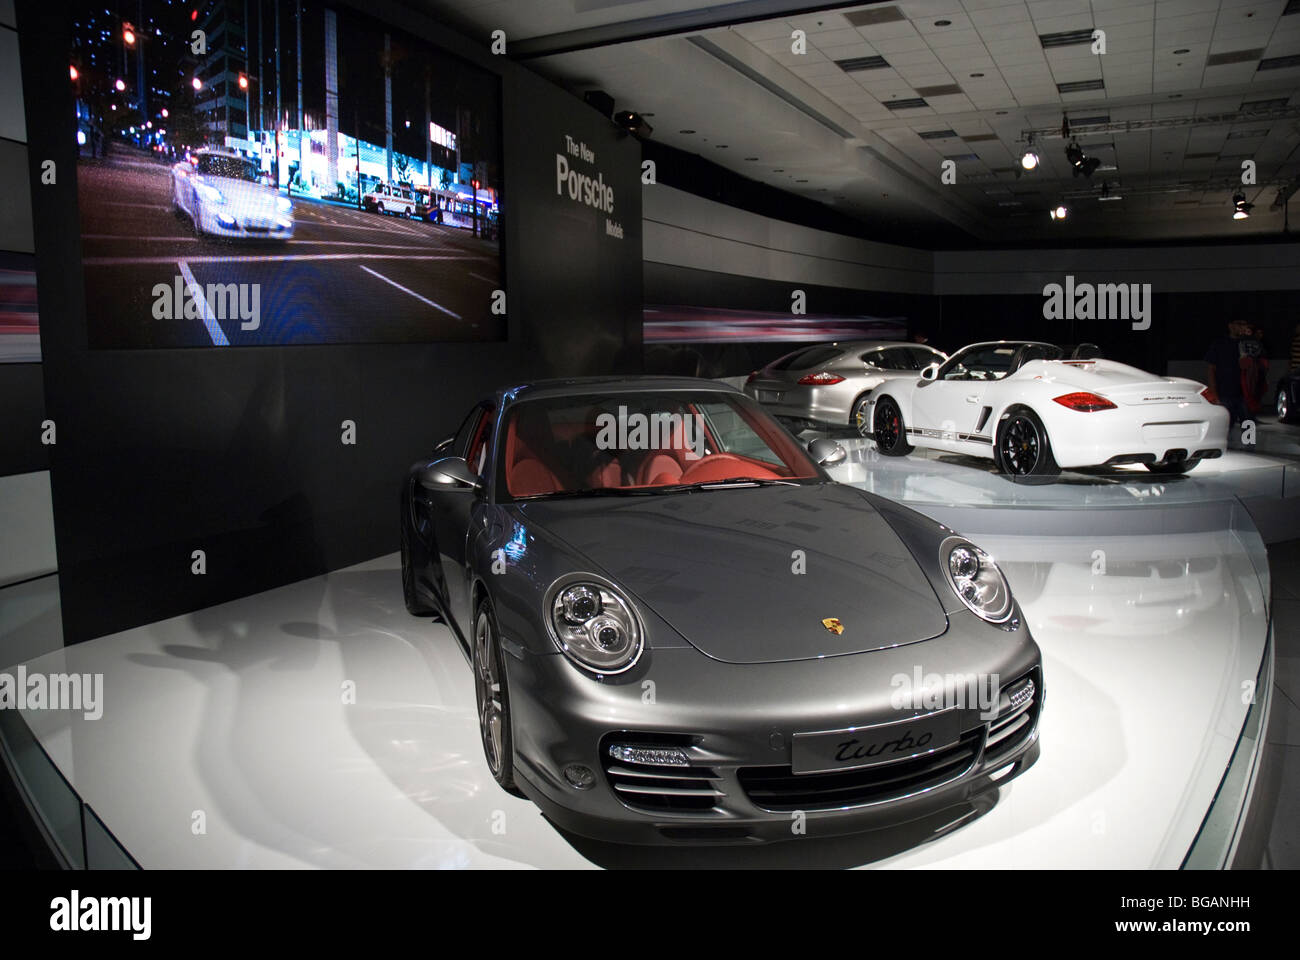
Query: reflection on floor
point(320, 725)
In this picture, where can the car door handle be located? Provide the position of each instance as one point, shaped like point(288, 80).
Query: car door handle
point(973, 399)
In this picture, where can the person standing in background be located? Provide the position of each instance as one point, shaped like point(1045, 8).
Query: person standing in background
point(1224, 360)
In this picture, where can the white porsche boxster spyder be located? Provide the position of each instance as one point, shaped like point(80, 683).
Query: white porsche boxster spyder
point(1033, 411)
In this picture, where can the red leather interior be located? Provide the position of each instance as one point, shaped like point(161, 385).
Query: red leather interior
point(526, 474)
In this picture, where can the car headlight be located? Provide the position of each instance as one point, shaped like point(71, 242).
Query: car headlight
point(593, 624)
point(283, 204)
point(210, 194)
point(976, 579)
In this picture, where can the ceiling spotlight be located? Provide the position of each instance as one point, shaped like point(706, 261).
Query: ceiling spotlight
point(1079, 162)
point(1059, 212)
point(1241, 209)
point(633, 123)
point(1029, 160)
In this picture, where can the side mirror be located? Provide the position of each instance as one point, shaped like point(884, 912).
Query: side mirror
point(826, 452)
point(930, 372)
point(449, 472)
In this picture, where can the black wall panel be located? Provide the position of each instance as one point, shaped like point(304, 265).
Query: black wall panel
point(238, 451)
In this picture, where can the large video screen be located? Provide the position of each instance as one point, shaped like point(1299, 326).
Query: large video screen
point(261, 172)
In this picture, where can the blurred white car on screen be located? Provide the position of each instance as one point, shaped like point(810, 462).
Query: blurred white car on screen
point(223, 195)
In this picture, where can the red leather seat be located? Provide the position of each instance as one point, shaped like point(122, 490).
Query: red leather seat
point(526, 474)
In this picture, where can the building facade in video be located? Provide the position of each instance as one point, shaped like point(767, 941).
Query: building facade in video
point(282, 173)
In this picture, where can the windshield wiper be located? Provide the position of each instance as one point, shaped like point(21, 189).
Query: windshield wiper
point(736, 482)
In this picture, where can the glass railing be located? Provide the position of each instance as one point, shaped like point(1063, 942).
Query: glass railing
point(72, 831)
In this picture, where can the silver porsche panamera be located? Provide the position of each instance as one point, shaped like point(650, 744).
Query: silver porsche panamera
point(831, 383)
point(682, 630)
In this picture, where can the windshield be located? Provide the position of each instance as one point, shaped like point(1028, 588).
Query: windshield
point(234, 168)
point(643, 443)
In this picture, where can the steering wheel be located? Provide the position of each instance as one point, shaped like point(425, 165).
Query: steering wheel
point(724, 466)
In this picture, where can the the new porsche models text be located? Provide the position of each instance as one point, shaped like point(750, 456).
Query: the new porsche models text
point(678, 641)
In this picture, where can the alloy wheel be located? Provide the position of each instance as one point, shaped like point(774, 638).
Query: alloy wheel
point(1020, 446)
point(491, 707)
point(888, 423)
point(1283, 408)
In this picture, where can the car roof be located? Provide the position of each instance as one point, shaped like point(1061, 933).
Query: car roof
point(220, 152)
point(580, 386)
point(1009, 343)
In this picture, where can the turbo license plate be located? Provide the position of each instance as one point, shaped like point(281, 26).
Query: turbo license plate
point(831, 750)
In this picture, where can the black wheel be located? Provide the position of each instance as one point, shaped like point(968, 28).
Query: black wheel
point(1023, 448)
point(1173, 468)
point(412, 554)
point(492, 695)
point(860, 418)
point(890, 431)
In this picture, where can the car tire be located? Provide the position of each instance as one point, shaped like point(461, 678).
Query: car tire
point(860, 414)
point(412, 555)
point(379, 208)
point(1023, 449)
point(888, 429)
point(1174, 469)
point(492, 698)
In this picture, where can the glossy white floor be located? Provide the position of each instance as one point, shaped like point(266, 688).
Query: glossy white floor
point(238, 712)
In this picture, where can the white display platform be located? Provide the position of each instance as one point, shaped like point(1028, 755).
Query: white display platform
point(238, 712)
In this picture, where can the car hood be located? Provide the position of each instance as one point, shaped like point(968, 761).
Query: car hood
point(720, 567)
point(242, 193)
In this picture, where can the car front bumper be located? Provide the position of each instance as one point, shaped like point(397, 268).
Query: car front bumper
point(237, 225)
point(736, 724)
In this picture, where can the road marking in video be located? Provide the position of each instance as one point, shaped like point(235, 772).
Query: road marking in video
point(479, 276)
point(376, 273)
point(214, 329)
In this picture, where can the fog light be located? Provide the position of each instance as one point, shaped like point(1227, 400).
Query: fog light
point(662, 756)
point(225, 221)
point(580, 777)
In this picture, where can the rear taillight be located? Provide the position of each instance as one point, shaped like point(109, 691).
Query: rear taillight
point(1084, 402)
point(822, 379)
point(752, 377)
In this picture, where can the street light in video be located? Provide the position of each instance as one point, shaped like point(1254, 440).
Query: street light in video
point(119, 85)
point(128, 35)
point(196, 83)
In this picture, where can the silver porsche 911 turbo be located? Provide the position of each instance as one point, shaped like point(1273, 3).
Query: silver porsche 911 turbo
point(830, 383)
point(682, 630)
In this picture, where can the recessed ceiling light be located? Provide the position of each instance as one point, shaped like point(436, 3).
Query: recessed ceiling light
point(779, 170)
point(1181, 50)
point(1000, 113)
point(943, 23)
point(1175, 96)
point(801, 181)
point(721, 146)
point(977, 74)
point(751, 158)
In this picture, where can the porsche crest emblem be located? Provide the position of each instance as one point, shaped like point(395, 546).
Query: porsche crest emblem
point(833, 625)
